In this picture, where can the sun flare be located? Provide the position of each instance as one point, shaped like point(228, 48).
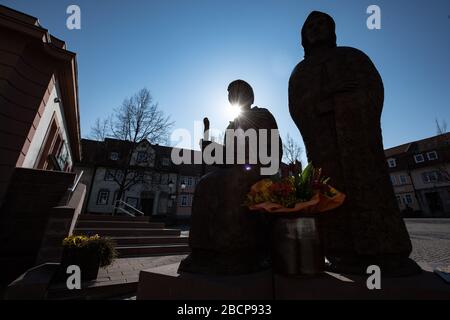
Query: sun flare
point(234, 110)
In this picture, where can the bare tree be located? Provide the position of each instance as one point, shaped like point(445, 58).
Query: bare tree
point(100, 129)
point(441, 127)
point(292, 151)
point(135, 121)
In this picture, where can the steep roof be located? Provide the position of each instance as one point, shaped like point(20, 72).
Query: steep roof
point(97, 153)
point(65, 66)
point(419, 146)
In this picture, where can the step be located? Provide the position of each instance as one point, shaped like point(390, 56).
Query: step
point(127, 232)
point(152, 250)
point(92, 224)
point(127, 241)
point(103, 217)
point(93, 290)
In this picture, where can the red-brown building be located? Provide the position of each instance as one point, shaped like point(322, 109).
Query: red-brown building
point(39, 142)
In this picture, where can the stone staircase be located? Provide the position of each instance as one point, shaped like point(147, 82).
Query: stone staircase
point(135, 237)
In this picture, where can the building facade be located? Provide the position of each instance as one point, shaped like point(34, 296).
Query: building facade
point(39, 117)
point(420, 176)
point(39, 143)
point(160, 189)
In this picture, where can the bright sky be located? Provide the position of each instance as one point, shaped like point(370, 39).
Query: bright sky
point(188, 51)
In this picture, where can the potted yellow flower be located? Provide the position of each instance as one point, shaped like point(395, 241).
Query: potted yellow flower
point(89, 253)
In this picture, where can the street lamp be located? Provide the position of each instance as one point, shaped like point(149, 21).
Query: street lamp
point(173, 190)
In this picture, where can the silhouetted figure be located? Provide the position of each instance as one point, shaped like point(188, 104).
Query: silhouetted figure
point(225, 237)
point(336, 98)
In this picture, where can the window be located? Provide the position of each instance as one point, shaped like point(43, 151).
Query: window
point(419, 158)
point(132, 201)
point(103, 197)
point(432, 155)
point(165, 162)
point(142, 156)
point(189, 182)
point(392, 163)
point(393, 180)
point(399, 199)
point(114, 156)
point(407, 199)
point(63, 156)
point(119, 175)
point(109, 175)
point(430, 177)
point(184, 201)
point(403, 179)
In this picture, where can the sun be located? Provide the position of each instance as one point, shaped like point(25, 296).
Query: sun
point(234, 110)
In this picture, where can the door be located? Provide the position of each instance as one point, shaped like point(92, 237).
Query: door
point(434, 202)
point(147, 206)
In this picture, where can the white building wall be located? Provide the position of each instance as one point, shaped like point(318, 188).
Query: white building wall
point(99, 183)
point(38, 140)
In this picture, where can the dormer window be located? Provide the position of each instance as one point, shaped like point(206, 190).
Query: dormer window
point(432, 155)
point(142, 156)
point(114, 156)
point(392, 163)
point(419, 158)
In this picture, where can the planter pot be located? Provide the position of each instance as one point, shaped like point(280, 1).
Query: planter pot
point(296, 246)
point(87, 260)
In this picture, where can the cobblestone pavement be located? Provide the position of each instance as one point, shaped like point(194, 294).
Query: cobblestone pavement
point(430, 239)
point(431, 242)
point(127, 269)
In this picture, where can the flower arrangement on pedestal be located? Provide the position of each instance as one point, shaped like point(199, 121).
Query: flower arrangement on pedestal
point(306, 192)
point(293, 203)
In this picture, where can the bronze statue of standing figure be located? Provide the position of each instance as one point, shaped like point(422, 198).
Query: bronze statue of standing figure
point(336, 99)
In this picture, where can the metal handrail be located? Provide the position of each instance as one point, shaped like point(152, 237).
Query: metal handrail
point(74, 187)
point(77, 181)
point(119, 204)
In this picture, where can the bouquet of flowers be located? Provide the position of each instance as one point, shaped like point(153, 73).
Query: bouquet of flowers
point(307, 192)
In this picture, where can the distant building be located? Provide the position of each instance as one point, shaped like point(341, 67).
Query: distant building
point(420, 175)
point(162, 190)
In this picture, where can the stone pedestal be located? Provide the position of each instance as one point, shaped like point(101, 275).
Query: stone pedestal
point(163, 283)
point(332, 286)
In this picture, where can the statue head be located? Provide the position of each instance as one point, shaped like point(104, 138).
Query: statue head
point(241, 93)
point(318, 32)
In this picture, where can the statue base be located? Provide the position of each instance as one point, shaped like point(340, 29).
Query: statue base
point(164, 283)
point(389, 266)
